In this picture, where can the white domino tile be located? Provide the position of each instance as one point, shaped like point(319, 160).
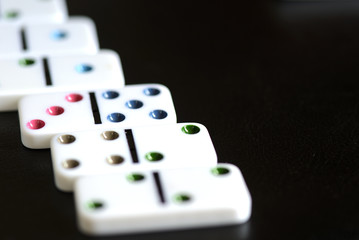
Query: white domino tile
point(147, 201)
point(77, 35)
point(28, 75)
point(34, 11)
point(106, 151)
point(45, 115)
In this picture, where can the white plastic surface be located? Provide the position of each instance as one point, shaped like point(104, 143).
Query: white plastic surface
point(79, 116)
point(91, 150)
point(34, 11)
point(133, 207)
point(10, 40)
point(80, 37)
point(17, 81)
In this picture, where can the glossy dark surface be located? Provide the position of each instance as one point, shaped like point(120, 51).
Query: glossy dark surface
point(276, 84)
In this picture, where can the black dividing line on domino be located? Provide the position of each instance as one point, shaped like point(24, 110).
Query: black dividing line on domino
point(23, 39)
point(95, 110)
point(45, 63)
point(131, 145)
point(159, 188)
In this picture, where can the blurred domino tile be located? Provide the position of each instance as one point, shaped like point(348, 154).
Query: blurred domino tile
point(25, 74)
point(34, 11)
point(75, 36)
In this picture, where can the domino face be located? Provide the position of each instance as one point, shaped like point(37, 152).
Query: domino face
point(76, 36)
point(26, 75)
point(45, 115)
point(24, 11)
point(162, 200)
point(106, 151)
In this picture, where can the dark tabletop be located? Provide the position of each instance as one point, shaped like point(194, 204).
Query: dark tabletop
point(276, 84)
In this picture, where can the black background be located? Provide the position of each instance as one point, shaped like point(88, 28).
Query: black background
point(276, 84)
